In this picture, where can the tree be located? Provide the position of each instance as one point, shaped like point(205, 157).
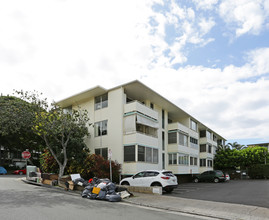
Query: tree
point(236, 146)
point(56, 127)
point(222, 147)
point(227, 159)
point(244, 158)
point(16, 122)
point(253, 155)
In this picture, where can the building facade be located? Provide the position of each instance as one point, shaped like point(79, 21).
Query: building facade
point(143, 130)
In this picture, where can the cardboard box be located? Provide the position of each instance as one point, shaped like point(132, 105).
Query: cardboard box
point(48, 182)
point(71, 185)
point(53, 176)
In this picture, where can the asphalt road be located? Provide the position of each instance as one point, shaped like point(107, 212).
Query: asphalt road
point(246, 192)
point(23, 201)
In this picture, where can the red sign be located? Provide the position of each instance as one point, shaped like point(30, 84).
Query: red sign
point(26, 154)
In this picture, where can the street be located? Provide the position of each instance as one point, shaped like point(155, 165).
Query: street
point(246, 192)
point(23, 201)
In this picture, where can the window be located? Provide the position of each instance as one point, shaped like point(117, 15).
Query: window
point(172, 158)
point(163, 140)
point(208, 134)
point(155, 156)
point(151, 173)
point(147, 130)
point(68, 110)
point(203, 133)
point(102, 152)
point(214, 138)
point(209, 163)
point(101, 101)
point(151, 105)
point(100, 128)
point(141, 153)
point(183, 139)
point(163, 161)
point(162, 118)
point(193, 125)
point(140, 175)
point(149, 155)
point(172, 138)
point(202, 147)
point(193, 142)
point(129, 153)
point(193, 161)
point(183, 159)
point(202, 162)
point(209, 148)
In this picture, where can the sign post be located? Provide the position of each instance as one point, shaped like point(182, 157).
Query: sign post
point(110, 168)
point(26, 155)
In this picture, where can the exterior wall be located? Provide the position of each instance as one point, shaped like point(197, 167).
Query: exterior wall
point(116, 138)
point(188, 150)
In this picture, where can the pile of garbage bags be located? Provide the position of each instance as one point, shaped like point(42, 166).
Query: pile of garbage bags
point(102, 189)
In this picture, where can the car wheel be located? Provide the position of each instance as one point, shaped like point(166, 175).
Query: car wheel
point(20, 172)
point(156, 184)
point(125, 183)
point(168, 190)
point(196, 180)
point(216, 180)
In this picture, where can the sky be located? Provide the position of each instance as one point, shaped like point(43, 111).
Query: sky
point(209, 57)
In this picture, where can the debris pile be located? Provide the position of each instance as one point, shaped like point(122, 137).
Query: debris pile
point(101, 189)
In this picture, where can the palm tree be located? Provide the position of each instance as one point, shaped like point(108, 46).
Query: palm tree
point(223, 147)
point(236, 146)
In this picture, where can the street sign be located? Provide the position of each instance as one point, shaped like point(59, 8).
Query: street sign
point(26, 154)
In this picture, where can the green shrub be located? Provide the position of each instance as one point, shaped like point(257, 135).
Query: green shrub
point(259, 171)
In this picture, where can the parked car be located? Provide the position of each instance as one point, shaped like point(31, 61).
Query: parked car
point(166, 179)
point(20, 172)
point(3, 170)
point(212, 175)
point(227, 177)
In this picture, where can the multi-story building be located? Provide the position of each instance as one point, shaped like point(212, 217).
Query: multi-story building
point(143, 130)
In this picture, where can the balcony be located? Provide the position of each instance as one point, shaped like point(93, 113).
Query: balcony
point(136, 106)
point(178, 126)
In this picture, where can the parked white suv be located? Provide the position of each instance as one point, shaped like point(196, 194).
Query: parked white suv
point(166, 179)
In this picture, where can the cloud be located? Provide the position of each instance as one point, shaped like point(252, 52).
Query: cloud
point(224, 99)
point(245, 16)
point(205, 4)
point(60, 48)
point(174, 29)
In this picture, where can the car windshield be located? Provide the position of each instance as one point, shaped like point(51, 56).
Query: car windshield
point(168, 173)
point(219, 173)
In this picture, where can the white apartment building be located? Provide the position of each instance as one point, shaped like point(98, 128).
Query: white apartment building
point(143, 130)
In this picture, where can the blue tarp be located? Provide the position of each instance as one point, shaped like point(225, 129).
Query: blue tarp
point(3, 170)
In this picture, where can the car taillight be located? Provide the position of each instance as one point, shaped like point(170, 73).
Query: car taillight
point(165, 177)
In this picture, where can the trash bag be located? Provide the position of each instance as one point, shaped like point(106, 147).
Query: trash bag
point(102, 185)
point(101, 195)
point(113, 198)
point(85, 193)
point(111, 187)
point(92, 196)
point(89, 187)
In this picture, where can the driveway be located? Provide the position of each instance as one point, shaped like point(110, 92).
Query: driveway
point(246, 192)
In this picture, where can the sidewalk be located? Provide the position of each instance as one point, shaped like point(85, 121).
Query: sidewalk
point(218, 210)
